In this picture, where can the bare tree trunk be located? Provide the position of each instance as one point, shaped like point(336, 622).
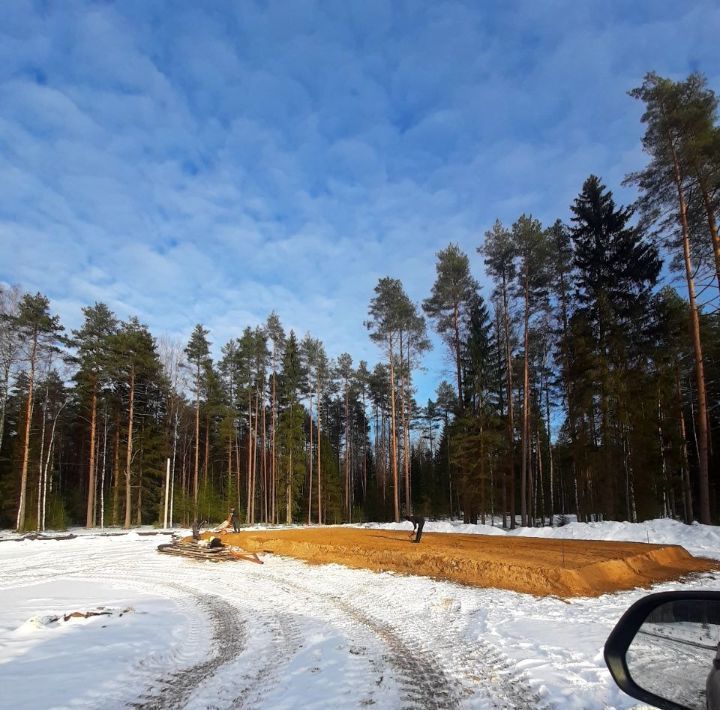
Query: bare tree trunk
point(129, 452)
point(702, 419)
point(551, 467)
point(347, 455)
point(249, 508)
point(256, 438)
point(685, 467)
point(273, 464)
point(20, 521)
point(116, 474)
point(104, 463)
point(48, 460)
point(393, 436)
point(458, 357)
point(196, 476)
point(229, 467)
point(238, 472)
point(263, 451)
point(90, 513)
point(406, 432)
point(319, 471)
point(511, 416)
point(526, 412)
point(40, 462)
point(310, 472)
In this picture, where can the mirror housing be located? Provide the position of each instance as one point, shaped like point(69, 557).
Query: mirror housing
point(694, 608)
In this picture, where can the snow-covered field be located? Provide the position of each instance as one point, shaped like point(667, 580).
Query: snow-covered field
point(169, 632)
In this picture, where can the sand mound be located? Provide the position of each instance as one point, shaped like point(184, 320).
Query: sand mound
point(564, 568)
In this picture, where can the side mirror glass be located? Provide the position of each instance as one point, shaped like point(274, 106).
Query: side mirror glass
point(665, 650)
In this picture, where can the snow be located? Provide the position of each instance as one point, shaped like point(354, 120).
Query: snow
point(175, 632)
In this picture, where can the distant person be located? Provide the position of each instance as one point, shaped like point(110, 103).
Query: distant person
point(234, 520)
point(418, 523)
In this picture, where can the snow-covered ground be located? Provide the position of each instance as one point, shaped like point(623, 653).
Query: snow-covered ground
point(169, 632)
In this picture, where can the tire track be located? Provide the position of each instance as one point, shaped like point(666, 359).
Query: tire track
point(228, 641)
point(445, 672)
point(175, 690)
point(434, 663)
point(423, 683)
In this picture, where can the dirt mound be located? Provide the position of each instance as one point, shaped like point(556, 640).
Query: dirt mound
point(539, 566)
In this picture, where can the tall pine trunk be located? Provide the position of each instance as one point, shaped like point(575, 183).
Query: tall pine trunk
point(90, 513)
point(20, 521)
point(524, 476)
point(116, 474)
point(702, 418)
point(129, 451)
point(196, 475)
point(393, 436)
point(310, 468)
point(319, 471)
point(511, 416)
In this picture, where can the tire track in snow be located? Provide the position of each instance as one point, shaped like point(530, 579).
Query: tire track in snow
point(228, 641)
point(445, 670)
point(247, 689)
point(167, 690)
point(436, 665)
point(424, 684)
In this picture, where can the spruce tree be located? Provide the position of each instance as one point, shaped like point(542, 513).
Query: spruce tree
point(616, 267)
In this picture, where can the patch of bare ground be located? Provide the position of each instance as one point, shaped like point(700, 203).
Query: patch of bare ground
point(539, 566)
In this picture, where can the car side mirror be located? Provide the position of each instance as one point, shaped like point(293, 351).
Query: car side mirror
point(665, 650)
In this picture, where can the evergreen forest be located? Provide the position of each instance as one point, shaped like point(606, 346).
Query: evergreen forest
point(585, 380)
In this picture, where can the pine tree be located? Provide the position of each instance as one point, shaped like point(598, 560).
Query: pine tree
point(665, 183)
point(499, 252)
point(135, 362)
point(290, 430)
point(532, 249)
point(276, 335)
point(198, 354)
point(448, 306)
point(93, 357)
point(39, 332)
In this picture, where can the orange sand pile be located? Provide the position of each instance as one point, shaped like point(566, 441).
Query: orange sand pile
point(539, 566)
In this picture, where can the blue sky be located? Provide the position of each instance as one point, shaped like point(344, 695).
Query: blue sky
point(209, 162)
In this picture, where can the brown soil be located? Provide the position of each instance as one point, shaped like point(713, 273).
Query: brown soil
point(540, 566)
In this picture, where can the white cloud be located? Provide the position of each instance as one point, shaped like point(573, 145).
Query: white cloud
point(199, 166)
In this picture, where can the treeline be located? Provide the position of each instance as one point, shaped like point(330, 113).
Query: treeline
point(583, 383)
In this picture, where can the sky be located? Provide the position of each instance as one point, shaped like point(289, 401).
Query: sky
point(209, 162)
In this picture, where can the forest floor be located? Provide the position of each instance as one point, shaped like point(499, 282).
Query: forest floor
point(539, 566)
